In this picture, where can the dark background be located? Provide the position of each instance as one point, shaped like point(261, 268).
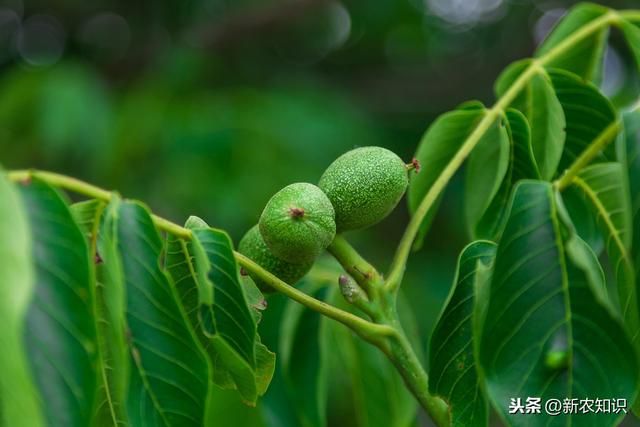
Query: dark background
point(208, 107)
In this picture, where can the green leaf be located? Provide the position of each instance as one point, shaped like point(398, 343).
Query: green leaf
point(484, 182)
point(540, 105)
point(110, 312)
point(521, 166)
point(20, 404)
point(191, 283)
point(632, 35)
point(605, 189)
point(583, 218)
point(589, 115)
point(549, 330)
point(60, 331)
point(438, 146)
point(113, 358)
point(265, 366)
point(632, 161)
point(169, 378)
point(84, 214)
point(206, 276)
point(630, 154)
point(255, 299)
point(452, 368)
point(303, 356)
point(232, 331)
point(585, 58)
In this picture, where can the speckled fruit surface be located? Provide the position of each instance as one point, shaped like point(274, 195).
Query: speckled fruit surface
point(364, 186)
point(298, 223)
point(253, 246)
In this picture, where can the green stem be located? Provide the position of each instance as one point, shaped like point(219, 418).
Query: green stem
point(368, 330)
point(404, 247)
point(356, 323)
point(416, 379)
point(364, 273)
point(588, 155)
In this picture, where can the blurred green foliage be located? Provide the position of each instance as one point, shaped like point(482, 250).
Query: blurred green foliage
point(208, 107)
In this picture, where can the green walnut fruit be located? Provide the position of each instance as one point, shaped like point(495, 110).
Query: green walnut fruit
point(298, 223)
point(364, 186)
point(253, 246)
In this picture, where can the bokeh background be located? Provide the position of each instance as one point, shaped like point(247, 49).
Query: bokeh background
point(209, 107)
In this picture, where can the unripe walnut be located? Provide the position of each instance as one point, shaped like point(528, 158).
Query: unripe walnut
point(364, 186)
point(298, 223)
point(253, 246)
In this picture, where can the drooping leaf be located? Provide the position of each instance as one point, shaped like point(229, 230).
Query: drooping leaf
point(632, 35)
point(438, 146)
point(549, 330)
point(544, 113)
point(589, 116)
point(191, 283)
point(585, 58)
point(521, 166)
point(483, 181)
point(98, 222)
point(302, 351)
point(19, 400)
point(110, 312)
point(206, 277)
point(60, 330)
point(169, 378)
point(452, 371)
point(524, 162)
point(605, 190)
point(234, 336)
